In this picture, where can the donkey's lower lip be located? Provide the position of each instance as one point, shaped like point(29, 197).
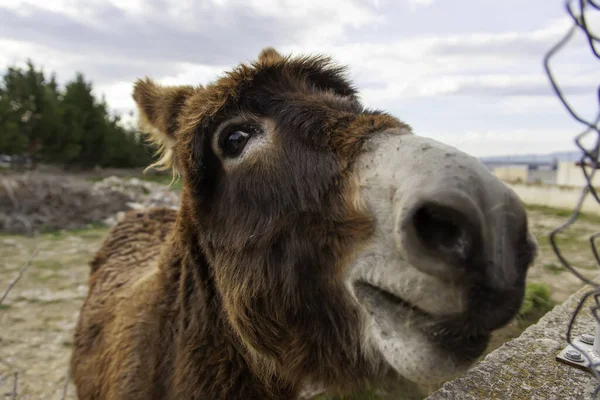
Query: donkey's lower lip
point(444, 333)
point(366, 290)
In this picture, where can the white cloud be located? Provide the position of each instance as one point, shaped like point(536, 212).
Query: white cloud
point(16, 52)
point(480, 64)
point(193, 74)
point(502, 142)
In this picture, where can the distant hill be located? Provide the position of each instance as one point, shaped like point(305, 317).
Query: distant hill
point(533, 158)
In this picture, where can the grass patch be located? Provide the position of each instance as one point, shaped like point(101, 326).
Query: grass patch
point(537, 302)
point(553, 268)
point(55, 235)
point(7, 253)
point(33, 300)
point(572, 237)
point(4, 306)
point(163, 179)
point(40, 276)
point(93, 231)
point(93, 234)
point(556, 212)
point(51, 265)
point(563, 213)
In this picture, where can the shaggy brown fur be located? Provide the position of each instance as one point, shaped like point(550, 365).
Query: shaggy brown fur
point(239, 295)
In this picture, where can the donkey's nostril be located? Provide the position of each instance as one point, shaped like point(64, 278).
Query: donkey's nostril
point(443, 229)
point(441, 233)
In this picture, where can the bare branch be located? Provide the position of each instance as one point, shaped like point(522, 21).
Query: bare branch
point(15, 382)
point(66, 385)
point(21, 272)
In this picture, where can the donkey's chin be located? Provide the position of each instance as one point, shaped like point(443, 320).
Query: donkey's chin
point(412, 341)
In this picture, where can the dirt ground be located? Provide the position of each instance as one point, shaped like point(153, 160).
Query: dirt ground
point(37, 317)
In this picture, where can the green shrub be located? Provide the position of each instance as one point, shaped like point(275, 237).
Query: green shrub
point(537, 302)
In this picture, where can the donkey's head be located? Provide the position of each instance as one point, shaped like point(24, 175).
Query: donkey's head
point(338, 245)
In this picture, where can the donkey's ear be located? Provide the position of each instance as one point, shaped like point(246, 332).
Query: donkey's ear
point(159, 108)
point(269, 55)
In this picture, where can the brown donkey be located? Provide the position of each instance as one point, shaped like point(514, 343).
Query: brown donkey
point(318, 243)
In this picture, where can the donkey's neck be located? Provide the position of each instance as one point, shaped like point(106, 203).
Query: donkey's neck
point(208, 360)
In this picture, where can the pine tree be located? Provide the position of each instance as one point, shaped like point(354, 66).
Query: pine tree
point(71, 128)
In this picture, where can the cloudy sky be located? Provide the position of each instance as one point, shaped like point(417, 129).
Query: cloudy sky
point(466, 72)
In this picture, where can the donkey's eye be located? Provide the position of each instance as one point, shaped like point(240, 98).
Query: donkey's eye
point(233, 141)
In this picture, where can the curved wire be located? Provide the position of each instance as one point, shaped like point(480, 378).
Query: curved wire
point(589, 164)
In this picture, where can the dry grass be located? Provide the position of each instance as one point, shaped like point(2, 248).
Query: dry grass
point(39, 312)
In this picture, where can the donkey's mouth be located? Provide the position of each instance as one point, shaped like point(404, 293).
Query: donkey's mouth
point(371, 296)
point(450, 333)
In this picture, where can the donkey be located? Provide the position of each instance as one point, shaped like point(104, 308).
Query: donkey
point(318, 243)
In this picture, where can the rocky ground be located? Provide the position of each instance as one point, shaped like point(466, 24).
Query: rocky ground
point(38, 315)
point(38, 202)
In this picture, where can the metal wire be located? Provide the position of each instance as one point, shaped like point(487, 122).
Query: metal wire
point(589, 163)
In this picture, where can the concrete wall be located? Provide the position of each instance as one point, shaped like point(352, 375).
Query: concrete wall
point(569, 174)
point(512, 173)
point(544, 176)
point(521, 173)
point(555, 196)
